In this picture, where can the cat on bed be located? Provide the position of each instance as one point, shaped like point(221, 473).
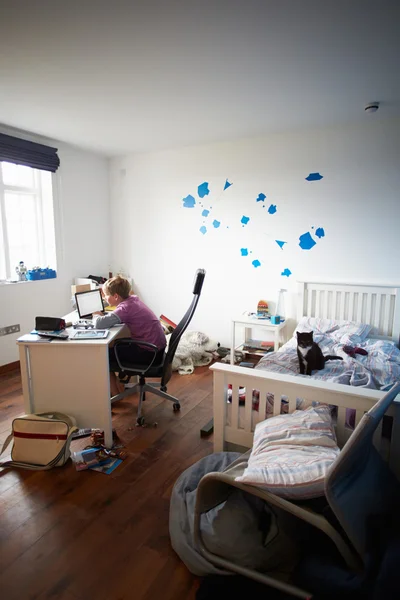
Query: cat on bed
point(310, 354)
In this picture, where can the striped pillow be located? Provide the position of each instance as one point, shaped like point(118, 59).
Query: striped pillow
point(292, 453)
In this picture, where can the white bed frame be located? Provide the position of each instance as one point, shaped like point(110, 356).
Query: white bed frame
point(378, 306)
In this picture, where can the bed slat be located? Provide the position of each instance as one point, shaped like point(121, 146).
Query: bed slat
point(359, 307)
point(262, 408)
point(292, 403)
point(351, 307)
point(235, 407)
point(326, 305)
point(385, 315)
point(340, 427)
point(248, 408)
point(277, 404)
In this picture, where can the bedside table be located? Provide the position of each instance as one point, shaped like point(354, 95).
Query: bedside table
point(250, 323)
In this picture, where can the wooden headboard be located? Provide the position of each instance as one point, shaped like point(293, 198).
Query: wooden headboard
point(374, 305)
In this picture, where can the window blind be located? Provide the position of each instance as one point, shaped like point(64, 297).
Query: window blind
point(29, 154)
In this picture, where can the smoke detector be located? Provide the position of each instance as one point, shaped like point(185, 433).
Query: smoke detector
point(371, 107)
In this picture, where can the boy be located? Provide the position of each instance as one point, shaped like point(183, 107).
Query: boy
point(141, 321)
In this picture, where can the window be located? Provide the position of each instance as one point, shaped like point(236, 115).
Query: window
point(26, 219)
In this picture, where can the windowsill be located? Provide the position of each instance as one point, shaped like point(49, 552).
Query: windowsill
point(6, 282)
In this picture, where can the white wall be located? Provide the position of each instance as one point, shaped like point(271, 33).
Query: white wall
point(158, 242)
point(82, 236)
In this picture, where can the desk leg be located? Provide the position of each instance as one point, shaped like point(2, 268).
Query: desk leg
point(26, 378)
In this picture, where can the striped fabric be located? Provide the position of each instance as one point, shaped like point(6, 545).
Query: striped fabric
point(292, 453)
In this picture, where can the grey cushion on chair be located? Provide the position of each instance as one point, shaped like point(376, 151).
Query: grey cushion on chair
point(360, 486)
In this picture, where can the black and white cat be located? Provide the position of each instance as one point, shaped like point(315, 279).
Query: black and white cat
point(310, 354)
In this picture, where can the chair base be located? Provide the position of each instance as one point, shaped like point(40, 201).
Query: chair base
point(142, 388)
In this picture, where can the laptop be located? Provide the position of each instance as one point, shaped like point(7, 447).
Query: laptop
point(89, 302)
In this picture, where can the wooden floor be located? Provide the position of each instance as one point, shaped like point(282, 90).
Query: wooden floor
point(72, 535)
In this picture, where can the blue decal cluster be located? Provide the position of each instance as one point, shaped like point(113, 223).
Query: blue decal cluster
point(320, 232)
point(261, 198)
point(244, 220)
point(280, 244)
point(272, 209)
point(205, 213)
point(244, 251)
point(203, 229)
point(286, 272)
point(256, 263)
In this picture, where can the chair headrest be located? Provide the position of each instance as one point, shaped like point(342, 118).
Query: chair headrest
point(198, 282)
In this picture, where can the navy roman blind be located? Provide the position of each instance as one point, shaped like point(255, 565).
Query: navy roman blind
point(30, 154)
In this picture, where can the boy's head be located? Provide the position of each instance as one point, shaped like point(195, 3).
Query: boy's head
point(117, 286)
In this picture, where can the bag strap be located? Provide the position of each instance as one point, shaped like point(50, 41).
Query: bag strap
point(22, 465)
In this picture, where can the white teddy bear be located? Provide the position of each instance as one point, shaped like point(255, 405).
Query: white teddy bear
point(195, 349)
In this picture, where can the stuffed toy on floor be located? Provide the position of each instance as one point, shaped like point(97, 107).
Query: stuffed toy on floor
point(195, 349)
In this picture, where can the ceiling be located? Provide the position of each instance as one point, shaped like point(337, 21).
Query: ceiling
point(120, 76)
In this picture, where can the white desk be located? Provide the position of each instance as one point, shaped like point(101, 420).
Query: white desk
point(70, 376)
point(252, 322)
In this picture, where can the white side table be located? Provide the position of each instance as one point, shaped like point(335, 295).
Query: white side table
point(252, 322)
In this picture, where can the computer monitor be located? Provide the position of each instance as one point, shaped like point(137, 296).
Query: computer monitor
point(89, 302)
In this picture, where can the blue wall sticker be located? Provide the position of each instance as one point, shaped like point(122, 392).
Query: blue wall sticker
point(286, 272)
point(261, 198)
point(203, 229)
point(256, 263)
point(203, 190)
point(244, 220)
point(280, 244)
point(320, 232)
point(314, 177)
point(227, 184)
point(189, 202)
point(205, 213)
point(244, 251)
point(272, 209)
point(216, 223)
point(306, 241)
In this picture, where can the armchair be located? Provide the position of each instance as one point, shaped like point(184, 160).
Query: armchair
point(156, 368)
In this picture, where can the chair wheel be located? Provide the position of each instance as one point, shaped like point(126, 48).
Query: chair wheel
point(140, 421)
point(176, 406)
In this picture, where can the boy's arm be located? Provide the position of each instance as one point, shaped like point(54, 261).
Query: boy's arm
point(100, 322)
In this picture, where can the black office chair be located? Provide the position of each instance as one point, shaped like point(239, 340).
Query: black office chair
point(162, 369)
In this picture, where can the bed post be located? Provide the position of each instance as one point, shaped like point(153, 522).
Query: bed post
point(220, 398)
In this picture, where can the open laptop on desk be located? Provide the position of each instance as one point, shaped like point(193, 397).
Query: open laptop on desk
point(89, 302)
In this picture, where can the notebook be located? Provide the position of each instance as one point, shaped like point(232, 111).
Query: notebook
point(89, 334)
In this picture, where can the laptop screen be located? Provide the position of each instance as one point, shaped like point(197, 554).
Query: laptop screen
point(88, 303)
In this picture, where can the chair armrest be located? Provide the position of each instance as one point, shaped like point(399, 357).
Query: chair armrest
point(126, 342)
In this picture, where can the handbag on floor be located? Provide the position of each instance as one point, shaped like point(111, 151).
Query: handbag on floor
point(41, 441)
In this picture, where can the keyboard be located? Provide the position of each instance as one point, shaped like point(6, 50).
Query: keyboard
point(54, 335)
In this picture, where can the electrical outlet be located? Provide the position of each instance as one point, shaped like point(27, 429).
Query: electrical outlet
point(9, 329)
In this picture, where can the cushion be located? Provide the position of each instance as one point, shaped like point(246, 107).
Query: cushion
point(351, 333)
point(344, 332)
point(292, 453)
point(316, 324)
